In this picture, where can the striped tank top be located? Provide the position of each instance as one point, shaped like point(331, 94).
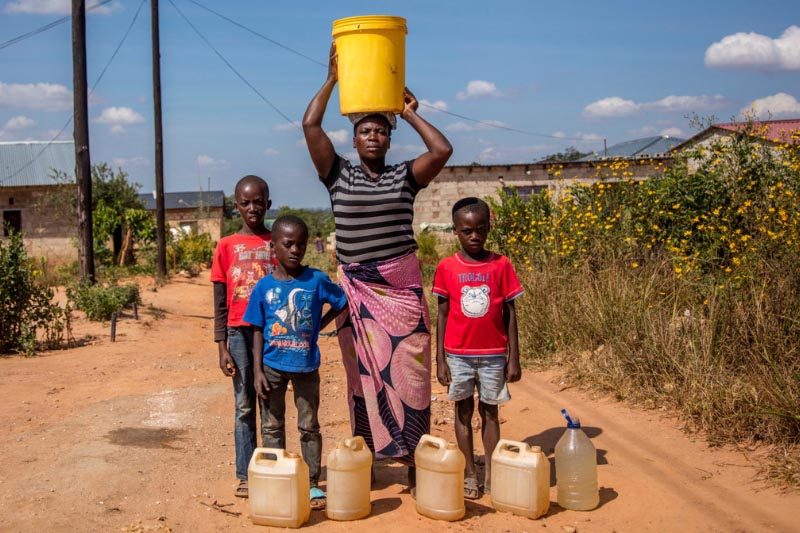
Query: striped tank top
point(373, 216)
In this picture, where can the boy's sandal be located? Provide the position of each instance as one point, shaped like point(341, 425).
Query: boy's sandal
point(318, 499)
point(471, 488)
point(241, 490)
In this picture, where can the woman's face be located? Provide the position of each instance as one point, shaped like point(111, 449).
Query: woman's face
point(372, 139)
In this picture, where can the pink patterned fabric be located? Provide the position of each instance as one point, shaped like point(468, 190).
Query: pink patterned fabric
point(386, 352)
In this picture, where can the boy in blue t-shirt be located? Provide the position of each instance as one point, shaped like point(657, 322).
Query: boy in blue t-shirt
point(285, 309)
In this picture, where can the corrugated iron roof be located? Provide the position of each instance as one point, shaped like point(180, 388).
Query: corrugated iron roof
point(32, 162)
point(647, 146)
point(186, 200)
point(774, 130)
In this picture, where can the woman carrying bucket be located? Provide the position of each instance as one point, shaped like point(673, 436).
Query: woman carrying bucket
point(385, 342)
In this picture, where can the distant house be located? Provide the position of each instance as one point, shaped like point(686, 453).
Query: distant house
point(770, 131)
point(27, 199)
point(191, 212)
point(642, 158)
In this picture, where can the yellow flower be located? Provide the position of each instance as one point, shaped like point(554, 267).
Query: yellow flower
point(634, 265)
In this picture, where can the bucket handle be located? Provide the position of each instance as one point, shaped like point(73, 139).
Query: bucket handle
point(434, 442)
point(511, 447)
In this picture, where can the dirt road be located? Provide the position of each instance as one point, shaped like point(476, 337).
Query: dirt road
point(137, 436)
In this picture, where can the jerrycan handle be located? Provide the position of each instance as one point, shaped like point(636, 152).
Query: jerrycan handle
point(269, 454)
point(355, 444)
point(434, 442)
point(511, 447)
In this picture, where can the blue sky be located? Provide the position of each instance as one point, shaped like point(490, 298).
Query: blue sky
point(614, 70)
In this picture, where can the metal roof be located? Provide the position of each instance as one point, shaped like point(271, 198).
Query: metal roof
point(777, 131)
point(186, 200)
point(647, 146)
point(32, 162)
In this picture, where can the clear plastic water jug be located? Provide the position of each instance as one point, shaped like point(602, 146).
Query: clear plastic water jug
point(520, 479)
point(349, 479)
point(279, 488)
point(576, 468)
point(440, 479)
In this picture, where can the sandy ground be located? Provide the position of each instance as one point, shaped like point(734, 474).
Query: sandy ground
point(137, 436)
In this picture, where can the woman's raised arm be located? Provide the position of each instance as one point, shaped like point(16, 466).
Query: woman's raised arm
point(319, 145)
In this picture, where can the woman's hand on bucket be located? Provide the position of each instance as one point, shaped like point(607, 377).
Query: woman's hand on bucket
point(333, 64)
point(410, 103)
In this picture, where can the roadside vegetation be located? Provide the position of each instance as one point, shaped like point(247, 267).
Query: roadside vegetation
point(679, 292)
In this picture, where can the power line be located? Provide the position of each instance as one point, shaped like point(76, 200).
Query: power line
point(258, 34)
point(94, 86)
point(233, 69)
point(324, 65)
point(46, 27)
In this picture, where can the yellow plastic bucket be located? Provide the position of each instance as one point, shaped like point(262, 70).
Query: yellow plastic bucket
point(372, 63)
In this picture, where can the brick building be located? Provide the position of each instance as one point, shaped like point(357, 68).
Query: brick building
point(191, 212)
point(30, 193)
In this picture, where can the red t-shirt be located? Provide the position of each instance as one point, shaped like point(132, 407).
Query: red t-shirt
point(476, 292)
point(239, 262)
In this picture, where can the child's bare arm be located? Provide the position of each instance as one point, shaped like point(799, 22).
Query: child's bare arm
point(513, 370)
point(259, 379)
point(331, 315)
point(226, 363)
point(442, 369)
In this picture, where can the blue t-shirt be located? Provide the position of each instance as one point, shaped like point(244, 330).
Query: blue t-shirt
point(290, 312)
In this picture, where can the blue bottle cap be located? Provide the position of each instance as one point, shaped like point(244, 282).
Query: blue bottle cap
point(571, 423)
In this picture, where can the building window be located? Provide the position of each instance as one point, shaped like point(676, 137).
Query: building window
point(12, 220)
point(525, 192)
point(11, 201)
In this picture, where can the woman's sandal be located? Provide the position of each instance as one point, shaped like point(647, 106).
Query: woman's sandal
point(241, 490)
point(471, 488)
point(318, 499)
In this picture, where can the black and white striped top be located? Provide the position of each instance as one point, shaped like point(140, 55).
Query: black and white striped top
point(373, 215)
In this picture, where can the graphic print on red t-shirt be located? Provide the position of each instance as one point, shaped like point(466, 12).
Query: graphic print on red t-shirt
point(477, 292)
point(239, 262)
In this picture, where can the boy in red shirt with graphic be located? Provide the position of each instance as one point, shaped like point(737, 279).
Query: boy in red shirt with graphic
point(240, 260)
point(476, 338)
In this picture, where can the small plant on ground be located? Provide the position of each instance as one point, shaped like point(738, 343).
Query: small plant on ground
point(99, 302)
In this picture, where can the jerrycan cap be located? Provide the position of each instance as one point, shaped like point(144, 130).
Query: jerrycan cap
point(572, 423)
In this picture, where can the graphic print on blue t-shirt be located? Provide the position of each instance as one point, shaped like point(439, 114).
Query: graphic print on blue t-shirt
point(290, 311)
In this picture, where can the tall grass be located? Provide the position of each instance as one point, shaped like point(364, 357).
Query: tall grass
point(680, 292)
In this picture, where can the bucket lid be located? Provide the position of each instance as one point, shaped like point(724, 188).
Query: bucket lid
point(369, 22)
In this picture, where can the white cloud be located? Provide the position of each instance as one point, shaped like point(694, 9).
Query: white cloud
point(511, 154)
point(119, 116)
point(271, 151)
point(130, 161)
point(672, 132)
point(433, 107)
point(208, 161)
point(409, 148)
point(477, 89)
point(19, 123)
point(614, 106)
point(47, 96)
point(753, 50)
point(339, 136)
point(478, 126)
point(286, 126)
point(117, 128)
point(53, 7)
point(780, 104)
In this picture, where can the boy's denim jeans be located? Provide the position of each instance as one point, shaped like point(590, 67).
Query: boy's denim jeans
point(306, 399)
point(240, 344)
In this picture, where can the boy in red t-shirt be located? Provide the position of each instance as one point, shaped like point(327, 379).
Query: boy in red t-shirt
point(240, 260)
point(476, 337)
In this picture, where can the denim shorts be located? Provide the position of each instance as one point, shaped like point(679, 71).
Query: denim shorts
point(488, 373)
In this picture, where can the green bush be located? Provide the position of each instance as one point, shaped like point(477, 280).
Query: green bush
point(99, 302)
point(189, 252)
point(28, 318)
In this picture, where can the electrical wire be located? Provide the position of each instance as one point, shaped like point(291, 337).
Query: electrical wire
point(48, 26)
point(233, 69)
point(324, 65)
point(91, 90)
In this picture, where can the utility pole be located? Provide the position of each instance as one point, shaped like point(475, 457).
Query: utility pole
point(161, 239)
point(80, 134)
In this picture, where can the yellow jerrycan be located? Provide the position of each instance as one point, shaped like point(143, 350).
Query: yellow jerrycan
point(440, 479)
point(349, 479)
point(279, 488)
point(576, 468)
point(520, 479)
point(371, 53)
